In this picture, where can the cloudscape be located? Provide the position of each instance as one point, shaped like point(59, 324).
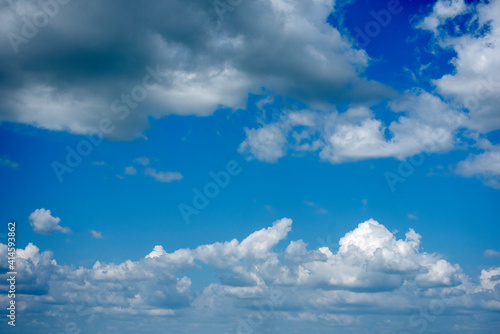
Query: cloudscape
point(236, 166)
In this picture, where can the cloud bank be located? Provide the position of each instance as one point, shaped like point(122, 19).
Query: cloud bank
point(371, 277)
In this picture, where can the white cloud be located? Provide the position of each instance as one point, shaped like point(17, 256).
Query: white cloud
point(96, 235)
point(43, 222)
point(425, 124)
point(491, 253)
point(163, 176)
point(371, 270)
point(474, 83)
point(130, 170)
point(485, 165)
point(266, 143)
point(442, 11)
point(490, 278)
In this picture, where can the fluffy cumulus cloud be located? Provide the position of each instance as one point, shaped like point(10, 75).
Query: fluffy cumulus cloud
point(484, 165)
point(475, 82)
point(425, 123)
point(178, 57)
point(442, 11)
point(43, 222)
point(372, 280)
point(472, 31)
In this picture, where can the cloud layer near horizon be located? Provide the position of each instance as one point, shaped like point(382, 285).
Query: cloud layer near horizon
point(372, 271)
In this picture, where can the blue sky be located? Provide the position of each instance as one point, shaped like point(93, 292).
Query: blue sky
point(385, 155)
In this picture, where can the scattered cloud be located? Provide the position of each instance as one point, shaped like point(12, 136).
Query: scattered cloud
point(142, 161)
point(96, 235)
point(442, 11)
point(485, 166)
point(130, 170)
point(412, 216)
point(473, 84)
point(163, 176)
point(8, 163)
point(270, 209)
point(319, 210)
point(43, 222)
point(356, 134)
point(491, 253)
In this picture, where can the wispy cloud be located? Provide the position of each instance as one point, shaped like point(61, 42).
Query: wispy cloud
point(96, 235)
point(142, 161)
point(8, 163)
point(491, 253)
point(163, 176)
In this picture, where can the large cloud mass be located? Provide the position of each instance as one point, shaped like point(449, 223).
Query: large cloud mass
point(94, 60)
point(372, 271)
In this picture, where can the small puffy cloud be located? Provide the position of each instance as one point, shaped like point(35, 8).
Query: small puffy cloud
point(96, 235)
point(43, 222)
point(412, 216)
point(266, 143)
point(130, 170)
point(491, 253)
point(163, 176)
